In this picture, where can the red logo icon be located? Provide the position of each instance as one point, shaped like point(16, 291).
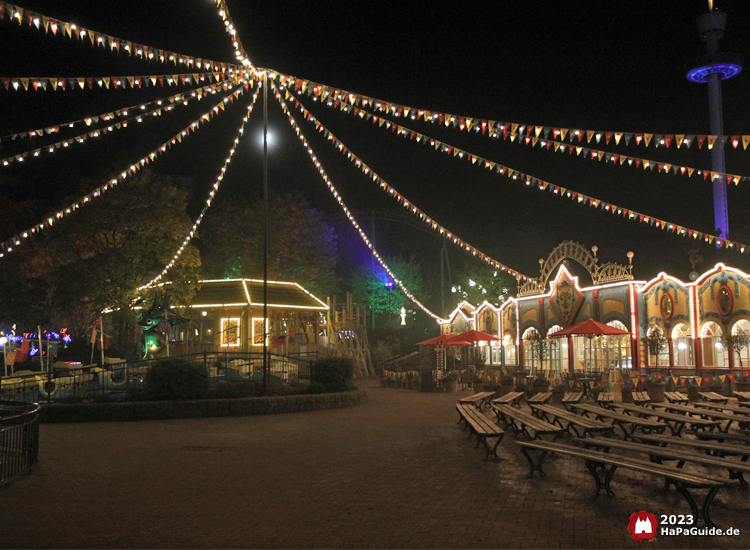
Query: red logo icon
point(642, 526)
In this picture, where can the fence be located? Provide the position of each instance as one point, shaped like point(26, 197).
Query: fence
point(95, 380)
point(19, 438)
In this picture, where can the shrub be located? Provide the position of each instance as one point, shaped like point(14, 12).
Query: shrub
point(316, 387)
point(176, 379)
point(334, 373)
point(452, 376)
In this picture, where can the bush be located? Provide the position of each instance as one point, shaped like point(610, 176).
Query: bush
point(334, 373)
point(175, 379)
point(316, 387)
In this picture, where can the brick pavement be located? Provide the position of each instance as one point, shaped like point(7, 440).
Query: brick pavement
point(396, 472)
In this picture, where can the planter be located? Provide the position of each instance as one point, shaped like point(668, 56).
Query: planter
point(694, 397)
point(557, 396)
point(627, 396)
point(742, 385)
point(656, 392)
point(478, 387)
point(541, 387)
point(505, 389)
point(450, 386)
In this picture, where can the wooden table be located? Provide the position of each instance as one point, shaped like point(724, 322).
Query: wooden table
point(478, 399)
point(619, 419)
point(513, 398)
point(713, 397)
point(704, 413)
point(676, 422)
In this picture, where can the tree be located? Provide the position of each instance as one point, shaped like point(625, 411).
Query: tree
point(654, 339)
point(380, 294)
point(302, 248)
point(481, 283)
point(98, 257)
point(735, 343)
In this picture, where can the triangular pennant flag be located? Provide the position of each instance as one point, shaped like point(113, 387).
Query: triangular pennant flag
point(679, 138)
point(711, 141)
point(647, 138)
point(618, 137)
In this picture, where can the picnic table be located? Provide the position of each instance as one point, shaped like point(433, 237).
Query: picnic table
point(704, 413)
point(713, 397)
point(723, 436)
point(603, 465)
point(620, 420)
point(513, 398)
point(478, 399)
point(676, 397)
point(481, 426)
point(676, 422)
point(521, 422)
point(709, 447)
point(744, 411)
point(573, 421)
point(542, 398)
point(743, 397)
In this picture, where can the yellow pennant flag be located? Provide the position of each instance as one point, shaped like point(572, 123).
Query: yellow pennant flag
point(578, 150)
point(690, 171)
point(510, 172)
point(623, 158)
point(221, 105)
point(698, 381)
point(679, 138)
point(534, 140)
point(380, 122)
point(131, 81)
point(647, 138)
point(589, 135)
point(745, 141)
point(722, 377)
point(618, 137)
point(557, 146)
point(469, 124)
point(538, 130)
point(513, 128)
point(711, 141)
point(153, 81)
point(513, 137)
point(563, 133)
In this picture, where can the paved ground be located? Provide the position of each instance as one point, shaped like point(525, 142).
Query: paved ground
point(396, 472)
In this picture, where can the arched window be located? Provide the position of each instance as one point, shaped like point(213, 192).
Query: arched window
point(713, 351)
point(682, 345)
point(742, 350)
point(509, 350)
point(535, 350)
point(558, 351)
point(616, 349)
point(655, 330)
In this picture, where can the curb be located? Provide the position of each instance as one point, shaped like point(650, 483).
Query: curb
point(204, 408)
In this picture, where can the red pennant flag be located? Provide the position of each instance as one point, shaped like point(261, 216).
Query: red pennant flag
point(701, 140)
point(668, 139)
point(608, 136)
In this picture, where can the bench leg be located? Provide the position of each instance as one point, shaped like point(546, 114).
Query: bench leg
point(492, 451)
point(738, 475)
point(592, 466)
point(705, 508)
point(535, 467)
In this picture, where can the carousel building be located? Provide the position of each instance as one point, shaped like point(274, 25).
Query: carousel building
point(687, 319)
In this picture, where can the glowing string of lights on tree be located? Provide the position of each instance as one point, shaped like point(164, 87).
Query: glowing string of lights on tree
point(210, 199)
point(543, 185)
point(82, 138)
point(106, 117)
point(43, 22)
point(490, 127)
point(43, 83)
point(348, 213)
point(409, 205)
point(15, 241)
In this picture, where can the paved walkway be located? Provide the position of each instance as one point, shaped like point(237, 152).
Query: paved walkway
point(396, 472)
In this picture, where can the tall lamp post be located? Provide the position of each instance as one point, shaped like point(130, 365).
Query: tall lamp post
point(265, 231)
point(712, 68)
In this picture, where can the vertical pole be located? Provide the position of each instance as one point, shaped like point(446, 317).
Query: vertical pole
point(442, 280)
point(265, 231)
point(718, 162)
point(41, 350)
point(101, 338)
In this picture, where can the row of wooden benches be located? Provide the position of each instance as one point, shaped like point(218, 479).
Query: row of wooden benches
point(600, 462)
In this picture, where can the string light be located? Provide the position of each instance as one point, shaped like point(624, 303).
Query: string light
point(211, 196)
point(239, 50)
point(402, 199)
point(104, 82)
point(81, 138)
point(8, 245)
point(348, 213)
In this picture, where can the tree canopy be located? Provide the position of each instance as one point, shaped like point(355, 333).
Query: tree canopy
point(302, 248)
point(479, 283)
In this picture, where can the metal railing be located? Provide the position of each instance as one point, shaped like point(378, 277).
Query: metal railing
point(19, 438)
point(93, 381)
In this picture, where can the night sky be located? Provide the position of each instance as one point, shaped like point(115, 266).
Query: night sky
point(615, 66)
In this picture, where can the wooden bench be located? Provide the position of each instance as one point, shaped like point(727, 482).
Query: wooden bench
point(641, 397)
point(704, 413)
point(521, 422)
point(723, 436)
point(709, 447)
point(621, 420)
point(656, 454)
point(713, 397)
point(580, 425)
point(543, 398)
point(676, 397)
point(676, 422)
point(571, 397)
point(605, 398)
point(481, 426)
point(742, 411)
point(597, 462)
point(479, 400)
point(743, 397)
point(513, 398)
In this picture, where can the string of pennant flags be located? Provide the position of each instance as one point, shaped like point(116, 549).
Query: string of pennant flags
point(110, 82)
point(398, 197)
point(83, 138)
point(347, 212)
point(17, 240)
point(229, 27)
point(41, 22)
point(494, 128)
point(543, 185)
point(210, 199)
point(108, 116)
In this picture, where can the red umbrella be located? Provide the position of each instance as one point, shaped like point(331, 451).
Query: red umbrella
point(589, 328)
point(436, 341)
point(458, 343)
point(474, 336)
